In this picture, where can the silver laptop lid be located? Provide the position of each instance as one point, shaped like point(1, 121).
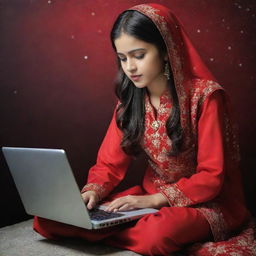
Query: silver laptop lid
point(46, 185)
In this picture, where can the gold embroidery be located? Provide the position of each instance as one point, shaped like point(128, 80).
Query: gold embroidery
point(239, 245)
point(175, 196)
point(172, 173)
point(155, 137)
point(214, 216)
point(231, 139)
point(200, 90)
point(99, 189)
point(155, 125)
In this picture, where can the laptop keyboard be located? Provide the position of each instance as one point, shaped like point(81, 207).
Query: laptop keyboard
point(97, 214)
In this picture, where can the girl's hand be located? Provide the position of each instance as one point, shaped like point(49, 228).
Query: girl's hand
point(90, 198)
point(130, 202)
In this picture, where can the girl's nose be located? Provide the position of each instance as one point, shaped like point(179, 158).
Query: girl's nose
point(130, 66)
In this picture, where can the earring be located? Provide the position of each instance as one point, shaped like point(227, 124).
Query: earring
point(167, 72)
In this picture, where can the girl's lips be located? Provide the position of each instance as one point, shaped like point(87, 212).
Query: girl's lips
point(135, 78)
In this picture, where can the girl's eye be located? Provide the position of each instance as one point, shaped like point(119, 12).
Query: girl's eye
point(122, 59)
point(140, 56)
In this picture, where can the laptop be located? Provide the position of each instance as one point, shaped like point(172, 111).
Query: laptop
point(48, 189)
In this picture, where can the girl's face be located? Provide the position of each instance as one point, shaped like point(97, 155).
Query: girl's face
point(140, 61)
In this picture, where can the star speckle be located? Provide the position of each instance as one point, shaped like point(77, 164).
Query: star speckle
point(15, 92)
point(229, 48)
point(211, 59)
point(93, 13)
point(86, 57)
point(240, 65)
point(49, 1)
point(72, 37)
point(241, 31)
point(198, 31)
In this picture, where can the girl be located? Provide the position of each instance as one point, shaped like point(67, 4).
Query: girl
point(171, 107)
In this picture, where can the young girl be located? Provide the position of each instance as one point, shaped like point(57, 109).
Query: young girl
point(170, 106)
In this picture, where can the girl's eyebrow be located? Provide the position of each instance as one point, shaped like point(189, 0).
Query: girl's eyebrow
point(134, 50)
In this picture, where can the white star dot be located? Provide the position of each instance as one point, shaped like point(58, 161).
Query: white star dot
point(93, 13)
point(198, 31)
point(229, 48)
point(240, 64)
point(49, 2)
point(15, 92)
point(241, 31)
point(85, 57)
point(72, 37)
point(239, 6)
point(211, 59)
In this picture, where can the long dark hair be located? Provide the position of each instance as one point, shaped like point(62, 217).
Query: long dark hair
point(131, 110)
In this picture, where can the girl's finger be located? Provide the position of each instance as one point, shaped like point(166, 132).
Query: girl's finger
point(125, 207)
point(85, 198)
point(115, 205)
point(92, 202)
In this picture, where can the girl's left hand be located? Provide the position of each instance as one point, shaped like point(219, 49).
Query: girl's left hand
point(131, 202)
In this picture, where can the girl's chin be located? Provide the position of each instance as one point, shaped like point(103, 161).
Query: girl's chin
point(138, 85)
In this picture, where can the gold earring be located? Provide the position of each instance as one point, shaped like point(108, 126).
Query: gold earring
point(167, 72)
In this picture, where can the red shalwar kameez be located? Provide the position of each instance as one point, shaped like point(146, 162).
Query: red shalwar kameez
point(202, 184)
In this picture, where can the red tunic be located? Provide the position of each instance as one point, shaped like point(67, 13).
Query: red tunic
point(203, 187)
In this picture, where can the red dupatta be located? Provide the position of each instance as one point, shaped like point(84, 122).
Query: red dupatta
point(193, 80)
point(194, 83)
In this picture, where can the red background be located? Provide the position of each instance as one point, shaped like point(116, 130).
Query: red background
point(57, 72)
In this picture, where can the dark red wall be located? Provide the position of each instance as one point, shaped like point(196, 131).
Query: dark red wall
point(57, 71)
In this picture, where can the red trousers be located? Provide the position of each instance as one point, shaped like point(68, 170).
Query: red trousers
point(167, 231)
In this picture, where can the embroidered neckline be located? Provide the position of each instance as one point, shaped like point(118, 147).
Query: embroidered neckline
point(165, 98)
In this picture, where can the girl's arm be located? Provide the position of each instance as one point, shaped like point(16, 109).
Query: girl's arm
point(208, 180)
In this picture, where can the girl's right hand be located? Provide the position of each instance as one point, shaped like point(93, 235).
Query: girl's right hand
point(90, 198)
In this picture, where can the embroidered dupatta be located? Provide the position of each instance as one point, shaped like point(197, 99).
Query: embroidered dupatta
point(194, 83)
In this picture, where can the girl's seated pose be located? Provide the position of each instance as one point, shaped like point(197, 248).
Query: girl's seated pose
point(171, 107)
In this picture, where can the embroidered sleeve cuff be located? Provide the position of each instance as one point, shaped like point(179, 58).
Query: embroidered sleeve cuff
point(99, 189)
point(175, 196)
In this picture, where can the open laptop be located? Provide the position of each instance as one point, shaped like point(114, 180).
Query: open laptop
point(48, 189)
